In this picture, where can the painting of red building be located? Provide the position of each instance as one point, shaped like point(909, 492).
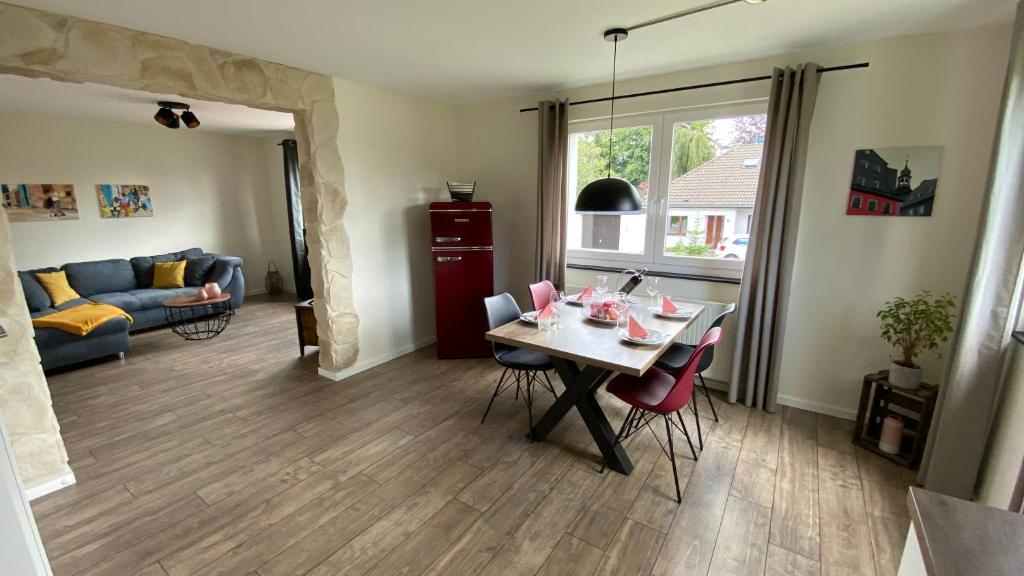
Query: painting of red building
point(879, 189)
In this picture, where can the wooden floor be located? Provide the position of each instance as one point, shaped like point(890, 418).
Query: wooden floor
point(233, 457)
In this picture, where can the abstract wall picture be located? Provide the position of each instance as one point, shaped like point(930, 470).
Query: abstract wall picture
point(894, 181)
point(124, 200)
point(39, 202)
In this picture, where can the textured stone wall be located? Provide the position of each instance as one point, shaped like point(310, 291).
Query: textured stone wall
point(42, 44)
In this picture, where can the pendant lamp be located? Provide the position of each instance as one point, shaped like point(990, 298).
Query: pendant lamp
point(610, 195)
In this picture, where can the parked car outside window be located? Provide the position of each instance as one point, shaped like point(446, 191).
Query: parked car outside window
point(733, 247)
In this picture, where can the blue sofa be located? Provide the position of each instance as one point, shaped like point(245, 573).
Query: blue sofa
point(127, 284)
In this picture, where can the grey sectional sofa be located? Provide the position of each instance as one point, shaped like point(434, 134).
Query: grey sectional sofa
point(127, 284)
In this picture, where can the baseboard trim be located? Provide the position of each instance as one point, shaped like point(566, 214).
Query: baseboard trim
point(792, 402)
point(50, 486)
point(826, 409)
point(337, 375)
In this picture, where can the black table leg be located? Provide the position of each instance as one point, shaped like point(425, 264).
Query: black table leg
point(580, 386)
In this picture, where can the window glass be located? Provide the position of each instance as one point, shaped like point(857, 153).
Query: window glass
point(588, 161)
point(715, 169)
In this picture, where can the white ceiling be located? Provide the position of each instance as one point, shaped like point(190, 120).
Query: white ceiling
point(42, 96)
point(478, 49)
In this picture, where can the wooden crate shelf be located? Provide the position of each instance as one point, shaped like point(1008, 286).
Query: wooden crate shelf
point(878, 399)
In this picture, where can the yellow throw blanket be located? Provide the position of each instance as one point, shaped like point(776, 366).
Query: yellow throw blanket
point(82, 319)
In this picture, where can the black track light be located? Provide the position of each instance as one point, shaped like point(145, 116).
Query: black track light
point(166, 116)
point(189, 119)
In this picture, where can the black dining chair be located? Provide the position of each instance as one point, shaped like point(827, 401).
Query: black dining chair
point(677, 355)
point(522, 367)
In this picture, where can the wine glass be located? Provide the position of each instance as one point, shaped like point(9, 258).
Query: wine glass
point(653, 290)
point(601, 287)
point(620, 301)
point(558, 303)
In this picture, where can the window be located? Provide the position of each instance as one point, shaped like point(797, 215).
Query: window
point(697, 174)
point(887, 209)
point(677, 225)
point(861, 181)
point(877, 185)
point(872, 205)
point(855, 203)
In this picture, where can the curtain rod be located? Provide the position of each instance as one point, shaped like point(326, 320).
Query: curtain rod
point(698, 86)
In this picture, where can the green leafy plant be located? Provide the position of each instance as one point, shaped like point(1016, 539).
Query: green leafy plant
point(917, 325)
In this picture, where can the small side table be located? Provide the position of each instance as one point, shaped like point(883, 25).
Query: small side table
point(305, 324)
point(879, 399)
point(198, 319)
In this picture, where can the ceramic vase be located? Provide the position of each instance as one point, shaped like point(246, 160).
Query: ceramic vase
point(212, 289)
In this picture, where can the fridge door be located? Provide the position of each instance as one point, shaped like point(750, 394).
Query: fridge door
point(453, 228)
point(462, 279)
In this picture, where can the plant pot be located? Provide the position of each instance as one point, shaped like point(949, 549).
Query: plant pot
point(904, 377)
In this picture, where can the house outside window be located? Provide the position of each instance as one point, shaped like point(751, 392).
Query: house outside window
point(855, 202)
point(873, 205)
point(697, 174)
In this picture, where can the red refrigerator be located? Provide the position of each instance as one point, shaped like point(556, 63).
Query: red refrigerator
point(462, 250)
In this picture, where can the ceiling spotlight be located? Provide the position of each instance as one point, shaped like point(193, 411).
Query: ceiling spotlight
point(189, 119)
point(166, 116)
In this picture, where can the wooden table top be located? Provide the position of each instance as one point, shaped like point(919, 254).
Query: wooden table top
point(189, 301)
point(594, 344)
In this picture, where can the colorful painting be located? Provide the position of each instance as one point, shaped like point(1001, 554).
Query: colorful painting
point(39, 202)
point(894, 181)
point(124, 200)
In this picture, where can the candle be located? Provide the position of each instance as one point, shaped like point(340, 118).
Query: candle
point(892, 435)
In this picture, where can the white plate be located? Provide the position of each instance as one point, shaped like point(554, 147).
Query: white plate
point(572, 300)
point(586, 314)
point(682, 314)
point(529, 317)
point(653, 337)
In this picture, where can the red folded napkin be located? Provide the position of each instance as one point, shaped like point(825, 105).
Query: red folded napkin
point(547, 312)
point(635, 329)
point(667, 306)
point(586, 293)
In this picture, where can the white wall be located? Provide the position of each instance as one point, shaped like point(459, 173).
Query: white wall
point(930, 89)
point(209, 190)
point(397, 153)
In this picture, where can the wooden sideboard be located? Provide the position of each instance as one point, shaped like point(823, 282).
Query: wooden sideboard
point(305, 325)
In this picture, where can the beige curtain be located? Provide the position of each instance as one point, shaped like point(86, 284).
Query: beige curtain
point(552, 149)
point(764, 290)
point(970, 390)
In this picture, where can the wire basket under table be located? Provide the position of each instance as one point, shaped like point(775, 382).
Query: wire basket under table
point(199, 320)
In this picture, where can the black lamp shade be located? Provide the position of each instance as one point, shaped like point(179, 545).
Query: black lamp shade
point(166, 117)
point(609, 196)
point(189, 119)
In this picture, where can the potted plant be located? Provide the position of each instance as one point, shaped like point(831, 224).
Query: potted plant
point(915, 326)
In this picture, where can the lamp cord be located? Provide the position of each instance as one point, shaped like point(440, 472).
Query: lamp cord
point(611, 119)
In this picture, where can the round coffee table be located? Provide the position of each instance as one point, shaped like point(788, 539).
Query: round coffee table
point(198, 319)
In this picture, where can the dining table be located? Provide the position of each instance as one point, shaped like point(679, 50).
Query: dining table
point(585, 353)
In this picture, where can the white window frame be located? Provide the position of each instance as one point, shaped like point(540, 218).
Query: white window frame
point(654, 258)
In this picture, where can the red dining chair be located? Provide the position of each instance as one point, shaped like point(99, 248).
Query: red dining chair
point(541, 293)
point(658, 393)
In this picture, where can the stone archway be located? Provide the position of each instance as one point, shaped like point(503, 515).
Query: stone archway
point(36, 43)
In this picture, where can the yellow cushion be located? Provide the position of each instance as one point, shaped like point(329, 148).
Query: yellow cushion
point(169, 274)
point(56, 285)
